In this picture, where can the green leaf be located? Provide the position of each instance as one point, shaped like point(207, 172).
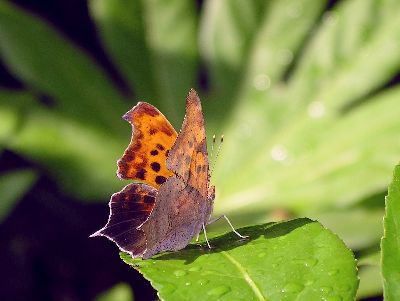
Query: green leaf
point(121, 27)
point(155, 45)
point(47, 62)
point(391, 241)
point(12, 107)
point(13, 186)
point(294, 260)
point(81, 158)
point(226, 34)
point(119, 292)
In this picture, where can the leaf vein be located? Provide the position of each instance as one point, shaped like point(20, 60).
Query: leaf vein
point(246, 276)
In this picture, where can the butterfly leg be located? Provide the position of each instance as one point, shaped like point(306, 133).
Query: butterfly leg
point(197, 237)
point(205, 236)
point(227, 219)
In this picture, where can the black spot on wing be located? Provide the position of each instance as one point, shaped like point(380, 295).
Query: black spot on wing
point(141, 174)
point(155, 166)
point(160, 180)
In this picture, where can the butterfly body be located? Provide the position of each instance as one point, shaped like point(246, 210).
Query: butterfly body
point(174, 200)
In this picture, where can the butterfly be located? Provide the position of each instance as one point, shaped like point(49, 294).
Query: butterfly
point(172, 200)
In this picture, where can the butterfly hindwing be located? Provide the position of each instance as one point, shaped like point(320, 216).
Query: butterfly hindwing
point(129, 208)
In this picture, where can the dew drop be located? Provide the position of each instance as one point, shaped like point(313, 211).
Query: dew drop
point(187, 283)
point(292, 288)
point(202, 281)
point(333, 272)
point(279, 153)
point(195, 269)
point(261, 82)
point(345, 288)
point(219, 291)
point(325, 289)
point(310, 262)
point(316, 109)
point(332, 298)
point(308, 282)
point(261, 255)
point(179, 273)
point(167, 288)
point(206, 273)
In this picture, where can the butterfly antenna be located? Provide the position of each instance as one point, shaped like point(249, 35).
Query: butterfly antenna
point(212, 147)
point(218, 151)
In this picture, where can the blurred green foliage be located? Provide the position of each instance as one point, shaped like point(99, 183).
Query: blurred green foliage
point(304, 95)
point(119, 292)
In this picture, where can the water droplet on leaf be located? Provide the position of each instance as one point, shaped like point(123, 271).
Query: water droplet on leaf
point(310, 262)
point(325, 289)
point(195, 269)
point(292, 288)
point(219, 291)
point(179, 273)
point(332, 298)
point(167, 288)
point(202, 281)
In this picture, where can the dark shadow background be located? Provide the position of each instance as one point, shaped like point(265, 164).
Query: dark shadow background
point(45, 251)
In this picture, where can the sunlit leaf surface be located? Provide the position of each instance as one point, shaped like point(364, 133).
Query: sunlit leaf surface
point(295, 260)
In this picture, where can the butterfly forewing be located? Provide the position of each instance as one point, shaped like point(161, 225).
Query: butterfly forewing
point(190, 145)
point(152, 137)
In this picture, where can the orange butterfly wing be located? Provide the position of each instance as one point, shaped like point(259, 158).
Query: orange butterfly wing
point(152, 137)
